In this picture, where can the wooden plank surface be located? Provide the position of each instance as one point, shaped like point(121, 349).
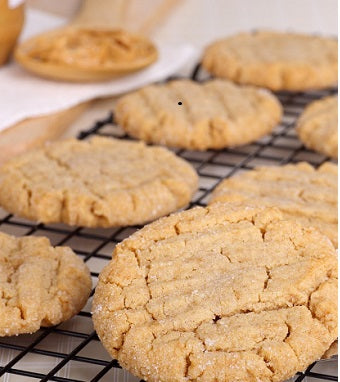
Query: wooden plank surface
point(34, 132)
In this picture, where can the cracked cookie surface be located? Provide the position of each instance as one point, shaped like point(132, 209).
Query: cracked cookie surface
point(303, 193)
point(100, 182)
point(39, 285)
point(223, 293)
point(274, 60)
point(184, 113)
point(317, 126)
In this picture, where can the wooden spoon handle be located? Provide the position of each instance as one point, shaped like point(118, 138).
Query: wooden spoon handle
point(155, 18)
point(125, 14)
point(105, 13)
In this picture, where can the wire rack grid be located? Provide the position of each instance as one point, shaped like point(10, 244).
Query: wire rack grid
point(72, 351)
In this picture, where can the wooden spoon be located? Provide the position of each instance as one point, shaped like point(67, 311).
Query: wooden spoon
point(105, 16)
point(84, 54)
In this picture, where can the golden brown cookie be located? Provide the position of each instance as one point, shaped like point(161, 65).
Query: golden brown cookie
point(101, 182)
point(39, 285)
point(224, 293)
point(187, 114)
point(85, 53)
point(317, 127)
point(275, 60)
point(303, 193)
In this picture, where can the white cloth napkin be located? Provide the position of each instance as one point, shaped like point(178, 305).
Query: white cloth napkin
point(23, 95)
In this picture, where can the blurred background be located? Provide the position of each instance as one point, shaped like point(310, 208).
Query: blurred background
point(36, 109)
point(200, 21)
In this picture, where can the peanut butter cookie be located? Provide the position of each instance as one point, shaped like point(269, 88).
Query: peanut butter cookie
point(224, 293)
point(275, 60)
point(317, 127)
point(186, 114)
point(301, 192)
point(101, 182)
point(39, 285)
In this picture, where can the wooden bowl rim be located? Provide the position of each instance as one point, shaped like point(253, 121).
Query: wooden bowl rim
point(75, 72)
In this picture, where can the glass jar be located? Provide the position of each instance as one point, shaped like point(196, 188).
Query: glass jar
point(11, 22)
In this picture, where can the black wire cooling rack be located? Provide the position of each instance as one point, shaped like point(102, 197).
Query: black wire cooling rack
point(71, 351)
